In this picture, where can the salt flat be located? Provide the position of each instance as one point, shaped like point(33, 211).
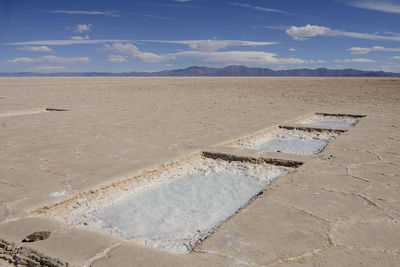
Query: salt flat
point(341, 207)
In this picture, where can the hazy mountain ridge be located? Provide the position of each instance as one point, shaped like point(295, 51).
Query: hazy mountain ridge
point(232, 70)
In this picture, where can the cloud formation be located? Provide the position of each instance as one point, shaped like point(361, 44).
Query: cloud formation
point(354, 60)
point(117, 59)
point(200, 45)
point(396, 57)
point(132, 50)
point(305, 32)
point(211, 57)
point(48, 60)
point(50, 68)
point(319, 61)
point(85, 12)
point(152, 16)
point(66, 42)
point(212, 45)
point(377, 5)
point(366, 50)
point(80, 37)
point(237, 57)
point(80, 28)
point(264, 9)
point(42, 48)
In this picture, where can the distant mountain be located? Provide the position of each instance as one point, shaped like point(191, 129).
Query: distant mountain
point(226, 71)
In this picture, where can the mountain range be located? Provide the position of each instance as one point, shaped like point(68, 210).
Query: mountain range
point(232, 70)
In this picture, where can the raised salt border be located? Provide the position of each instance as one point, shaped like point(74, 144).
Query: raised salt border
point(295, 141)
point(178, 209)
point(327, 120)
point(9, 113)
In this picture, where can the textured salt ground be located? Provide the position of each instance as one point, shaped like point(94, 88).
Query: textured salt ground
point(151, 112)
point(177, 214)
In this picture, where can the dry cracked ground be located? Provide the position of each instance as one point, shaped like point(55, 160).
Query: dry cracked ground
point(340, 208)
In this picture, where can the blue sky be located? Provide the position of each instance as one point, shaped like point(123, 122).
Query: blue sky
point(122, 35)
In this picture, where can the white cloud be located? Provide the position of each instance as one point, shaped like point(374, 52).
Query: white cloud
point(264, 9)
point(66, 42)
point(183, 1)
point(396, 57)
point(377, 5)
point(85, 12)
point(83, 28)
point(292, 49)
point(36, 48)
point(212, 45)
point(49, 68)
point(305, 32)
point(366, 50)
point(238, 57)
point(132, 50)
point(20, 60)
point(49, 60)
point(360, 50)
point(354, 60)
point(80, 37)
point(153, 16)
point(117, 59)
point(211, 57)
point(202, 45)
point(319, 61)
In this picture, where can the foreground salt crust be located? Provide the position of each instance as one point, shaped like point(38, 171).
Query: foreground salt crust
point(180, 208)
point(289, 141)
point(330, 121)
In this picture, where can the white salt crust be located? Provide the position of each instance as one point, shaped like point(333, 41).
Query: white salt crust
point(176, 210)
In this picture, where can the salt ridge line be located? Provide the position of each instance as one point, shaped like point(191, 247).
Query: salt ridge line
point(10, 113)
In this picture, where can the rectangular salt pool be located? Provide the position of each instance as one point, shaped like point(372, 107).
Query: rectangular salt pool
point(181, 208)
point(328, 120)
point(295, 141)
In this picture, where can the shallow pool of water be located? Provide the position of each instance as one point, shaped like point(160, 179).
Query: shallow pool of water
point(333, 123)
point(330, 121)
point(289, 145)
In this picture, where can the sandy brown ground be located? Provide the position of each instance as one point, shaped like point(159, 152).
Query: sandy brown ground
point(339, 210)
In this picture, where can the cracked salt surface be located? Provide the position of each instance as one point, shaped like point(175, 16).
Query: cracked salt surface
point(330, 121)
point(177, 214)
point(289, 141)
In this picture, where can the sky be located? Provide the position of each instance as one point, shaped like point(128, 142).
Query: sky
point(152, 35)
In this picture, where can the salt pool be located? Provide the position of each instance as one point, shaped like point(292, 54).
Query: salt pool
point(297, 141)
